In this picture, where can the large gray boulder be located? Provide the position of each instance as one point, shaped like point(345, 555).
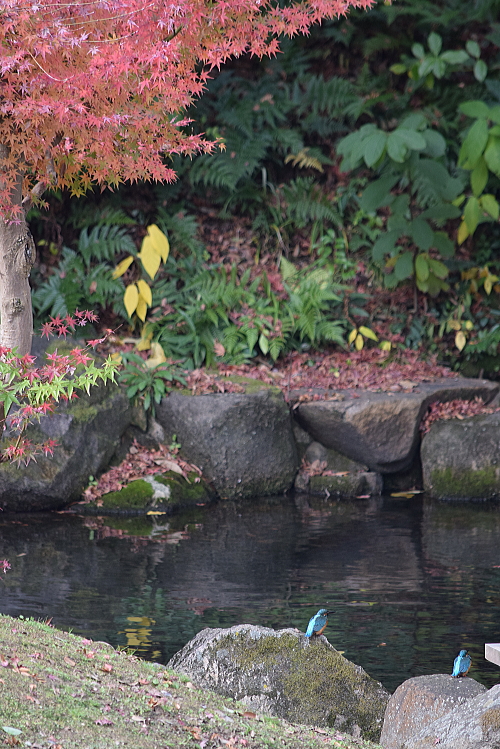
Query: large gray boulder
point(282, 673)
point(243, 443)
point(87, 431)
point(474, 724)
point(420, 701)
point(381, 430)
point(461, 458)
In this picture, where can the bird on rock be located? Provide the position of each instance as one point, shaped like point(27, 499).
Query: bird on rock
point(461, 664)
point(317, 623)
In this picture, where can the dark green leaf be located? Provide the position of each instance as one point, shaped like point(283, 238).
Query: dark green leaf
point(374, 147)
point(480, 70)
point(422, 234)
point(435, 143)
point(455, 56)
point(404, 266)
point(384, 246)
point(378, 193)
point(443, 244)
point(434, 43)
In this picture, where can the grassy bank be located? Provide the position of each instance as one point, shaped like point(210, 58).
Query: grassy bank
point(63, 691)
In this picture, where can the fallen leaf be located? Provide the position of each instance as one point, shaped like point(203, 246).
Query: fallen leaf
point(249, 714)
point(69, 661)
point(169, 465)
point(107, 668)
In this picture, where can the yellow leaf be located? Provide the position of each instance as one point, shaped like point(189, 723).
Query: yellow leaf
point(149, 257)
point(385, 346)
point(160, 241)
point(145, 292)
point(116, 358)
point(141, 309)
point(469, 325)
point(488, 285)
point(368, 333)
point(453, 325)
point(156, 512)
point(352, 335)
point(122, 267)
point(157, 356)
point(463, 232)
point(145, 341)
point(130, 299)
point(359, 343)
point(460, 340)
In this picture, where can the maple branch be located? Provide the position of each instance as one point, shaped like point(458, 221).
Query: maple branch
point(40, 187)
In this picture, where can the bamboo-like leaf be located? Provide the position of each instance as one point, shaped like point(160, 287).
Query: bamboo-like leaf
point(160, 241)
point(352, 335)
point(123, 266)
point(130, 299)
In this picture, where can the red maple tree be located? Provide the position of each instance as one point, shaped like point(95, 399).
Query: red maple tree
point(93, 92)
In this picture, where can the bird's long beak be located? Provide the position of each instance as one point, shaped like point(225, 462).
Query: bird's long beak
point(329, 612)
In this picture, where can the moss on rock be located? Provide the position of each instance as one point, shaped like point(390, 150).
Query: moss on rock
point(284, 674)
point(163, 492)
point(457, 483)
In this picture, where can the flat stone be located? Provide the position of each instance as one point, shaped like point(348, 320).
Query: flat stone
point(420, 701)
point(381, 430)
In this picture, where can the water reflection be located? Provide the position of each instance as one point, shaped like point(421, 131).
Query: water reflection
point(411, 580)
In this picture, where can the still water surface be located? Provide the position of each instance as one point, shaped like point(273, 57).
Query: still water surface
point(411, 580)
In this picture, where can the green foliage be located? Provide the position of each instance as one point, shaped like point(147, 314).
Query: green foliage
point(148, 384)
point(407, 159)
point(82, 278)
point(248, 316)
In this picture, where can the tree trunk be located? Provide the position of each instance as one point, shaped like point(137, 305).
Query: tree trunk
point(17, 255)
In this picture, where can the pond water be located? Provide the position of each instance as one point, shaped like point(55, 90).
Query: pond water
point(411, 581)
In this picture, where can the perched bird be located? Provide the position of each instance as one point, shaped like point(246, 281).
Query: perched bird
point(461, 664)
point(317, 623)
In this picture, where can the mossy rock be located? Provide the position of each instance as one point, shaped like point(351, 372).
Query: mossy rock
point(282, 673)
point(461, 458)
point(164, 492)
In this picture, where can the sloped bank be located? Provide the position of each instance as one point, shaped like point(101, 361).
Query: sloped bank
point(62, 690)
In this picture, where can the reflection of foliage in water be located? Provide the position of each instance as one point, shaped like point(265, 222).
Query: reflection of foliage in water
point(410, 581)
